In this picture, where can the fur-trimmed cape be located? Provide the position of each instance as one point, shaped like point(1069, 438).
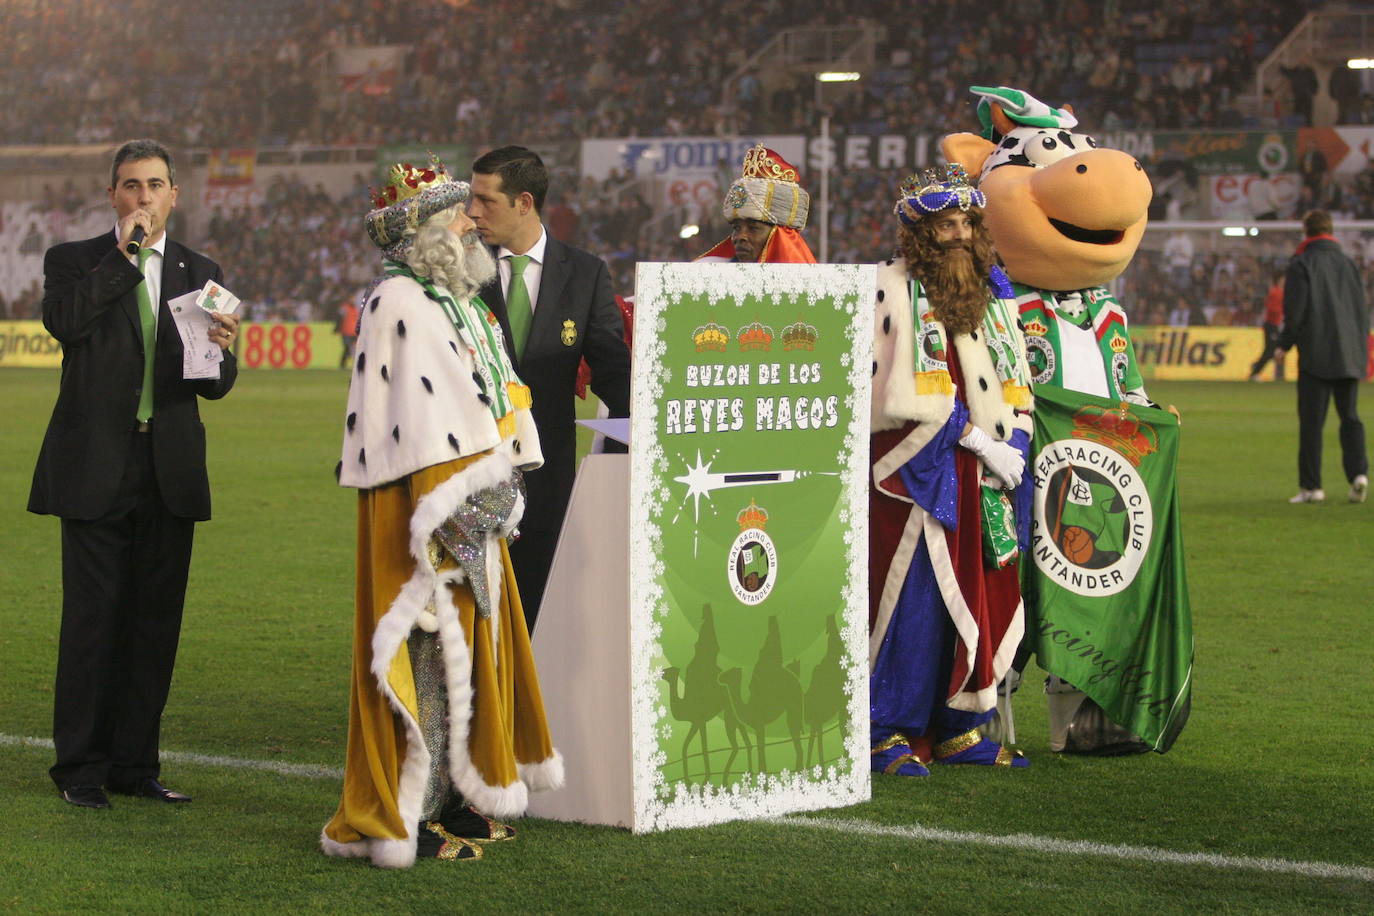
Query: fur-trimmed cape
point(416, 398)
point(498, 742)
point(895, 397)
point(907, 422)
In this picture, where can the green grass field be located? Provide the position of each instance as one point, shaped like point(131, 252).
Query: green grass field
point(1277, 762)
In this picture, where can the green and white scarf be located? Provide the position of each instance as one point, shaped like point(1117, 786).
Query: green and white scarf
point(479, 329)
point(930, 342)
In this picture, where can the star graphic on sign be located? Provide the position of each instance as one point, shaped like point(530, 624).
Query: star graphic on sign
point(702, 481)
point(698, 479)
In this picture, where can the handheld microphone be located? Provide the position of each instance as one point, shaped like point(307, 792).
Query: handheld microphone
point(135, 241)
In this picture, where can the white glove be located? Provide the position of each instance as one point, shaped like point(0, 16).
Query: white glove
point(1001, 459)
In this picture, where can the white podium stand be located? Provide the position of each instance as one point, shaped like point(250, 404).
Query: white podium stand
point(667, 669)
point(582, 649)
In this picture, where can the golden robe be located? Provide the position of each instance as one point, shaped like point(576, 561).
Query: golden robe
point(499, 739)
point(435, 415)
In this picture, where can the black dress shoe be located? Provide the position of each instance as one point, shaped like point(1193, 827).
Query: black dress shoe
point(85, 797)
point(148, 787)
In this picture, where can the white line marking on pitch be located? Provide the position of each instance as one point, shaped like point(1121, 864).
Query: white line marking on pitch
point(309, 770)
point(1055, 846)
point(1024, 841)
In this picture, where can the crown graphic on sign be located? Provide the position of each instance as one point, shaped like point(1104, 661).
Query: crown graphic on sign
point(752, 516)
point(1118, 429)
point(1036, 328)
point(756, 336)
point(1118, 344)
point(711, 336)
point(799, 336)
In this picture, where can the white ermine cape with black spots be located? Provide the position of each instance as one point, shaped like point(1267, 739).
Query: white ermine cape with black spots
point(414, 400)
point(896, 398)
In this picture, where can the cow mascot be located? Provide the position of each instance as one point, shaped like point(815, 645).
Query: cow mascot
point(1066, 217)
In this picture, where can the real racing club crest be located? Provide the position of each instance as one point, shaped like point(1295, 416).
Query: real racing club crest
point(753, 559)
point(1120, 361)
point(1093, 519)
point(1039, 352)
point(932, 343)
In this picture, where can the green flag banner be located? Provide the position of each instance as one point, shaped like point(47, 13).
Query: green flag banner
point(1106, 596)
point(748, 540)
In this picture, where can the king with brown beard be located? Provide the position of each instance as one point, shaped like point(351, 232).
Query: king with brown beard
point(949, 502)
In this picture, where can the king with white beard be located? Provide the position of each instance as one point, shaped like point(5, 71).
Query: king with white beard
point(446, 723)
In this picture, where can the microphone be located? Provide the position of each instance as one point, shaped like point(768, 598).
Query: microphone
point(135, 241)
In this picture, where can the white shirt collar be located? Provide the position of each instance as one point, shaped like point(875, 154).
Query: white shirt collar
point(536, 252)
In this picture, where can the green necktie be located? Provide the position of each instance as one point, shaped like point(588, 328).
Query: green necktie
point(149, 324)
point(518, 310)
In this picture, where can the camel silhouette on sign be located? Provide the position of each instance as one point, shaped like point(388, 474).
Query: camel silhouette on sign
point(774, 691)
point(825, 698)
point(702, 698)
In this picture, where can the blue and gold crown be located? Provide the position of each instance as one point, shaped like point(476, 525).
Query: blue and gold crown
point(937, 189)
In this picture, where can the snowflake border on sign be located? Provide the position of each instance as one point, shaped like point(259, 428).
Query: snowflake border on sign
point(659, 287)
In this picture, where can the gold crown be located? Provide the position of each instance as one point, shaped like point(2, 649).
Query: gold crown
point(799, 336)
point(1116, 428)
point(711, 336)
point(1118, 343)
point(404, 181)
point(761, 162)
point(1036, 328)
point(752, 516)
point(756, 336)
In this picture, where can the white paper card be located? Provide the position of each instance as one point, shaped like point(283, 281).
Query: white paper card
point(215, 298)
point(200, 357)
point(617, 428)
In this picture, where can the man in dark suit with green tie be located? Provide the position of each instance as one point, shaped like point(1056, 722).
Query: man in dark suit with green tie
point(123, 466)
point(556, 308)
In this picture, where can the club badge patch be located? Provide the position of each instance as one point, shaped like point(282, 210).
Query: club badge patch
point(1093, 520)
point(1040, 357)
point(753, 560)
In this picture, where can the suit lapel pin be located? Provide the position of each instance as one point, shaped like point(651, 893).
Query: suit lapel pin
point(569, 335)
point(181, 264)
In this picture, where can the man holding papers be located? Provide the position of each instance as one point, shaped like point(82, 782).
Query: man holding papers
point(123, 466)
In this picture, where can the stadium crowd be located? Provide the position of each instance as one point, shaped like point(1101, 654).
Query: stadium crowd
point(645, 69)
point(653, 68)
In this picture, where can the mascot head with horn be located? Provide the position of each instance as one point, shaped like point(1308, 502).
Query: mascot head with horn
point(1064, 213)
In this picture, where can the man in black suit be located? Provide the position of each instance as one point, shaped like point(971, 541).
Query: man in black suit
point(123, 466)
point(1325, 316)
point(556, 308)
